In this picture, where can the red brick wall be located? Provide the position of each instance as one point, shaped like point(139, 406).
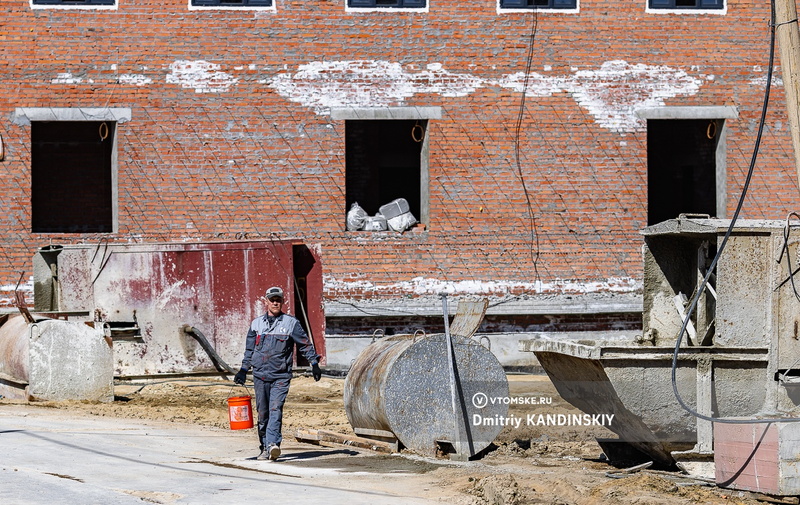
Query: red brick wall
point(247, 161)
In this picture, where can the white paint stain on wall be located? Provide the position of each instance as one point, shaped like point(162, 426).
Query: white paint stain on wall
point(135, 79)
point(68, 78)
point(611, 93)
point(200, 75)
point(421, 286)
point(325, 84)
point(614, 92)
point(762, 81)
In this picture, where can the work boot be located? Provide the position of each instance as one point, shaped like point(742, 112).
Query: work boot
point(274, 452)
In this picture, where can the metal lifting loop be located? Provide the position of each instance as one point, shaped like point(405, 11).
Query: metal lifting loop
point(377, 334)
point(488, 342)
point(711, 130)
point(103, 131)
point(418, 132)
point(418, 332)
point(30, 332)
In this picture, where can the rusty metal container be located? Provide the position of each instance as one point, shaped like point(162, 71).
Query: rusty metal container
point(146, 294)
point(401, 386)
point(51, 359)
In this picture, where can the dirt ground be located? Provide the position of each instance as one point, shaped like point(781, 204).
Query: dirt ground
point(526, 465)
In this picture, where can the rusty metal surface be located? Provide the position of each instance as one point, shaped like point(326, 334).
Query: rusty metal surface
point(216, 287)
point(364, 400)
point(468, 318)
point(401, 384)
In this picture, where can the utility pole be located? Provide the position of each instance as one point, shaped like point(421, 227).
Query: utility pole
point(788, 35)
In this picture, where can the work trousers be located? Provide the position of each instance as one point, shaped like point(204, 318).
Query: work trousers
point(270, 397)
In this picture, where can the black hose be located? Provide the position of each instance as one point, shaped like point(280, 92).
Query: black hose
point(218, 362)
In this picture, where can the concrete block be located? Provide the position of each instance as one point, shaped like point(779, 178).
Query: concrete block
point(70, 361)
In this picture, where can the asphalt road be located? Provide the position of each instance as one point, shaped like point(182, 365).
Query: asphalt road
point(50, 456)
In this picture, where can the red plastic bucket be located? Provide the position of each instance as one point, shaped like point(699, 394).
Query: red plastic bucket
point(240, 412)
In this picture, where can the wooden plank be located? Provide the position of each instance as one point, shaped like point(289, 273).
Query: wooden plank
point(788, 35)
point(319, 437)
point(468, 318)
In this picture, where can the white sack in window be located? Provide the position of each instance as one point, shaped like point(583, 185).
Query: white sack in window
point(402, 222)
point(356, 217)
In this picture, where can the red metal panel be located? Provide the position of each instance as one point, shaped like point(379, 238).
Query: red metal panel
point(241, 274)
point(216, 287)
point(189, 270)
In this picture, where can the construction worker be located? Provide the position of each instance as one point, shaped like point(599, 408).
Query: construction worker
point(268, 349)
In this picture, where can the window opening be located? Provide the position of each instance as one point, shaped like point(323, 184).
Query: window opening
point(686, 4)
point(538, 4)
point(231, 3)
point(408, 4)
point(681, 167)
point(72, 176)
point(74, 2)
point(383, 163)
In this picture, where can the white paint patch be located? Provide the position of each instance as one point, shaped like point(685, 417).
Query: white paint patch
point(171, 293)
point(68, 78)
point(611, 93)
point(762, 81)
point(135, 79)
point(614, 92)
point(201, 75)
point(7, 293)
point(366, 83)
point(427, 286)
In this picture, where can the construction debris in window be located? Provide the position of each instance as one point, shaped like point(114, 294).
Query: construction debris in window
point(394, 216)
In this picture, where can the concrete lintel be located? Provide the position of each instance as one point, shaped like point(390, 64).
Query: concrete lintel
point(560, 347)
point(386, 113)
point(689, 112)
point(24, 115)
point(623, 303)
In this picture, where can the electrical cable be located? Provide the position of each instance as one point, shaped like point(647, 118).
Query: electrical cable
point(531, 216)
point(785, 250)
point(713, 264)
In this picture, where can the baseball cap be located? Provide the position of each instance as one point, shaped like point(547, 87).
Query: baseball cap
point(274, 292)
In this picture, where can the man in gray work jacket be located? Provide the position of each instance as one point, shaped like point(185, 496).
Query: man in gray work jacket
point(268, 350)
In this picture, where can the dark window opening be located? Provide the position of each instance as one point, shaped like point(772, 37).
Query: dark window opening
point(415, 4)
point(71, 176)
point(383, 163)
point(74, 2)
point(681, 168)
point(538, 4)
point(686, 4)
point(231, 3)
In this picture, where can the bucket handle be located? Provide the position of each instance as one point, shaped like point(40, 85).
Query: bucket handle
point(245, 388)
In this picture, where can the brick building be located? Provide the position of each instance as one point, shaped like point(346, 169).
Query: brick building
point(189, 120)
